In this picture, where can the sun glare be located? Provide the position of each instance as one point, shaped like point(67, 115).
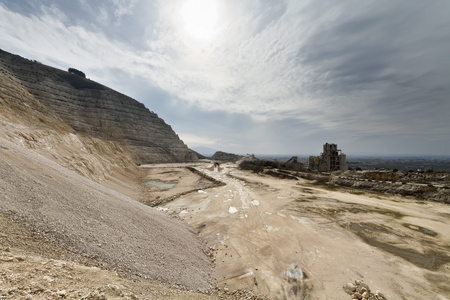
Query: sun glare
point(199, 19)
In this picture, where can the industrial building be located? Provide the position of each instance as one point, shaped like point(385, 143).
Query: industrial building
point(294, 164)
point(331, 159)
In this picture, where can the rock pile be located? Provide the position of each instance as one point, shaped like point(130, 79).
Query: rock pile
point(438, 191)
point(361, 291)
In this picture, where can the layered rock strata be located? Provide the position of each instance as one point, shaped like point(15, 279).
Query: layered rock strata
point(97, 111)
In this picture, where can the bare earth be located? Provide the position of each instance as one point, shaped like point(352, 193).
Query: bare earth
point(54, 217)
point(288, 239)
point(76, 222)
point(64, 236)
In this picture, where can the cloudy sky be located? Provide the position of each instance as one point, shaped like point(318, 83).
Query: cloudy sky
point(259, 76)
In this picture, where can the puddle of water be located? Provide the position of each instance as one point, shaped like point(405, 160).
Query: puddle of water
point(427, 231)
point(360, 227)
point(162, 185)
point(421, 229)
point(302, 220)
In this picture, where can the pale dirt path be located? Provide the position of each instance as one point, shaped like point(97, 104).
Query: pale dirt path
point(264, 244)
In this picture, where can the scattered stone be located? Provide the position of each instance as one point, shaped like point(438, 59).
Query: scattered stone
point(362, 287)
point(294, 273)
point(95, 296)
point(361, 291)
point(379, 295)
point(349, 288)
point(115, 289)
point(7, 259)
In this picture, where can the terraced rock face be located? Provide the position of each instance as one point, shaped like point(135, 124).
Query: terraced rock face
point(97, 111)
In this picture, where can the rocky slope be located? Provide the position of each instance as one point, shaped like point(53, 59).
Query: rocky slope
point(99, 223)
point(50, 172)
point(96, 111)
point(26, 122)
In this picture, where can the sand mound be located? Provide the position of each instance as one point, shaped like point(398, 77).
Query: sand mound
point(97, 222)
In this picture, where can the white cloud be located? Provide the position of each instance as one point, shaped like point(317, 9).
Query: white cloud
point(380, 68)
point(194, 140)
point(123, 7)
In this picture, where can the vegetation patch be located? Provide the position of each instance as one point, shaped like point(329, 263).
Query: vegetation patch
point(257, 166)
point(388, 212)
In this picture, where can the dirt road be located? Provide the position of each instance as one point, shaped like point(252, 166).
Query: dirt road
point(288, 239)
point(284, 239)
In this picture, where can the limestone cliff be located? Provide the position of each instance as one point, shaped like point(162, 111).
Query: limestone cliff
point(96, 111)
point(28, 123)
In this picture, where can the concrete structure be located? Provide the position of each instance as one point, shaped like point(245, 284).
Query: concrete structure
point(294, 164)
point(329, 160)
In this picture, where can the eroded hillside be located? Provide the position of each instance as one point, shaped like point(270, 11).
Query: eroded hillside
point(58, 224)
point(27, 122)
point(94, 110)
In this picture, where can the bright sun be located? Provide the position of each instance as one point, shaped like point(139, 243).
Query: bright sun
point(199, 19)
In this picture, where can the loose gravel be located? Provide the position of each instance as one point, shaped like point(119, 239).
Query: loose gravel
point(97, 222)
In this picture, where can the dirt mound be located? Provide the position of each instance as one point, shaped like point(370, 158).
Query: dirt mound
point(97, 222)
point(49, 176)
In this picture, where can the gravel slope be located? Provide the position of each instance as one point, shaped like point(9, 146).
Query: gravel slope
point(98, 222)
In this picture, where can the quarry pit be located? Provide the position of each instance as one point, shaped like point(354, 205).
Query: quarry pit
point(262, 230)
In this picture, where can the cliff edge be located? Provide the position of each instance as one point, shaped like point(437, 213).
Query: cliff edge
point(97, 111)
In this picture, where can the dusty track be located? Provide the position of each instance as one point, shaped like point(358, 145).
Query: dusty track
point(288, 239)
point(284, 239)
